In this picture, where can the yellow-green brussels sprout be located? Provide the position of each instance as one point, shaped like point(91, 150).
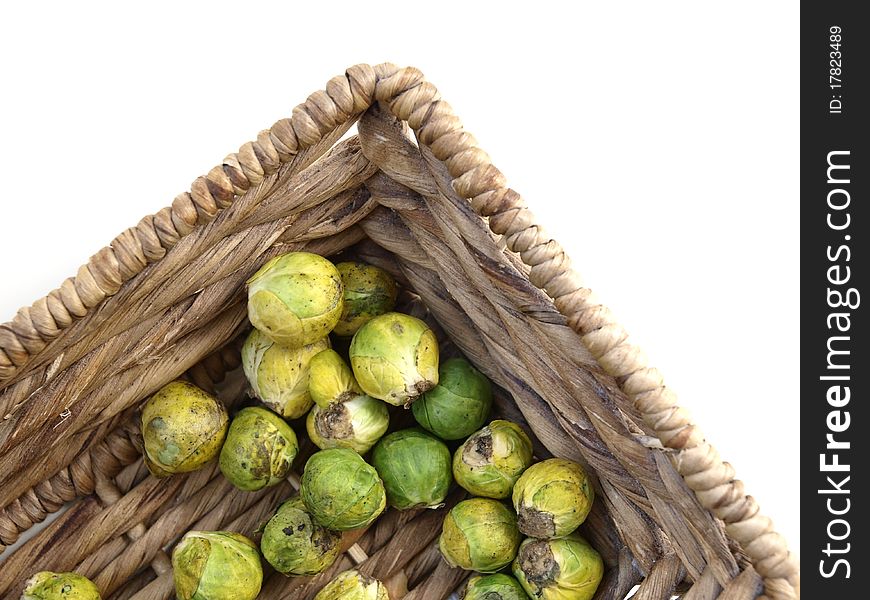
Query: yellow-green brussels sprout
point(183, 428)
point(368, 292)
point(331, 380)
point(353, 585)
point(295, 299)
point(46, 585)
point(459, 405)
point(395, 358)
point(415, 469)
point(259, 449)
point(490, 461)
point(493, 587)
point(279, 375)
point(479, 534)
point(341, 490)
point(216, 565)
point(564, 569)
point(295, 544)
point(552, 498)
point(356, 424)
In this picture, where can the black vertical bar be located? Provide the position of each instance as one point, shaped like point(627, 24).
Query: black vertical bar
point(835, 223)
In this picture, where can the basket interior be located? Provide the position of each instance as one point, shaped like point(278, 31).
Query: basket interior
point(72, 437)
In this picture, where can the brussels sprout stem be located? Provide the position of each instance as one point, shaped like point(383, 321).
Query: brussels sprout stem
point(345, 396)
point(335, 422)
point(415, 391)
point(537, 562)
point(478, 453)
point(536, 523)
point(422, 387)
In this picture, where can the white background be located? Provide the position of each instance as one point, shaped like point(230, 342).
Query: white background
point(658, 142)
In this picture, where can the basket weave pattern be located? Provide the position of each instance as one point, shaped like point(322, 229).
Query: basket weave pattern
point(166, 299)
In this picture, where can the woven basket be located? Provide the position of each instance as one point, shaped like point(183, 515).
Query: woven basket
point(166, 299)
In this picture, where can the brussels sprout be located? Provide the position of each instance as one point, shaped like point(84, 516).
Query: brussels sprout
point(356, 424)
point(395, 358)
point(564, 569)
point(295, 299)
point(182, 429)
point(353, 585)
point(552, 498)
point(279, 375)
point(493, 587)
point(46, 585)
point(415, 469)
point(341, 490)
point(459, 405)
point(490, 461)
point(259, 449)
point(331, 380)
point(368, 292)
point(479, 534)
point(216, 565)
point(295, 544)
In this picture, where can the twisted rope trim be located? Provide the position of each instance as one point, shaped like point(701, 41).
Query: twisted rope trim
point(412, 99)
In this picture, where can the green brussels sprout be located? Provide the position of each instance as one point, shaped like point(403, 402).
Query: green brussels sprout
point(395, 358)
point(259, 449)
point(353, 585)
point(331, 380)
point(563, 569)
point(295, 544)
point(183, 428)
point(356, 424)
point(459, 405)
point(479, 534)
point(216, 565)
point(341, 490)
point(295, 299)
point(552, 498)
point(415, 469)
point(279, 375)
point(490, 461)
point(493, 587)
point(46, 585)
point(368, 292)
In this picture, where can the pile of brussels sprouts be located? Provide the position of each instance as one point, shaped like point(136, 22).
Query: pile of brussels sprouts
point(295, 301)
point(550, 499)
